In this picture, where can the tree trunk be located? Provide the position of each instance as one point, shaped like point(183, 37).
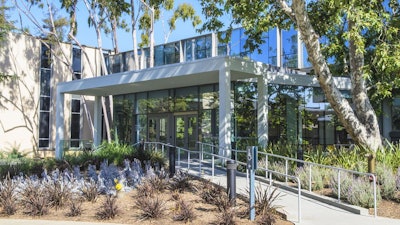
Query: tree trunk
point(361, 122)
point(135, 51)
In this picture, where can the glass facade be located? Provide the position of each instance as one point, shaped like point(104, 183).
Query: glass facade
point(297, 114)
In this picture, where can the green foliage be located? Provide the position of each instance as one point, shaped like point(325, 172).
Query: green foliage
point(114, 152)
point(317, 181)
point(387, 180)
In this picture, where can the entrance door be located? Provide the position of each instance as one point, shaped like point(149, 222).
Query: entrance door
point(158, 128)
point(186, 131)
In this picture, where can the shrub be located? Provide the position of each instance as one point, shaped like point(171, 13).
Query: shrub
point(59, 192)
point(316, 178)
point(361, 193)
point(183, 211)
point(387, 180)
point(8, 198)
point(398, 179)
point(108, 209)
point(34, 198)
point(90, 190)
point(226, 209)
point(210, 192)
point(151, 207)
point(346, 181)
point(75, 207)
point(145, 189)
point(114, 152)
point(279, 167)
point(180, 182)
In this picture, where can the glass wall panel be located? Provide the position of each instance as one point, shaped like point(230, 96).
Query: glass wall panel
point(123, 113)
point(289, 48)
point(189, 51)
point(203, 47)
point(141, 107)
point(209, 97)
point(171, 53)
point(186, 99)
point(159, 55)
point(272, 47)
point(158, 101)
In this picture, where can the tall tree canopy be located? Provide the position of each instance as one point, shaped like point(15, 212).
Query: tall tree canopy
point(360, 37)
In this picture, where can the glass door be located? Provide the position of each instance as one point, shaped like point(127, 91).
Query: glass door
point(158, 128)
point(186, 131)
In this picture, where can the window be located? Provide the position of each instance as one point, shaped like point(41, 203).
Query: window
point(45, 97)
point(77, 63)
point(75, 121)
point(203, 47)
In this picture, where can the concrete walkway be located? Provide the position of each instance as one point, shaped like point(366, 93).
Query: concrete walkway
point(313, 212)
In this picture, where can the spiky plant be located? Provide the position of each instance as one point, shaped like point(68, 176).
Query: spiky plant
point(34, 198)
point(109, 208)
point(151, 207)
point(8, 196)
point(183, 211)
point(75, 207)
point(90, 190)
point(180, 182)
point(58, 192)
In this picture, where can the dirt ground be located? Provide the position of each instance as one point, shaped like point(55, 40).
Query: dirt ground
point(129, 214)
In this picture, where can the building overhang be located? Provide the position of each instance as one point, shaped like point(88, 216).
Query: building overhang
point(199, 72)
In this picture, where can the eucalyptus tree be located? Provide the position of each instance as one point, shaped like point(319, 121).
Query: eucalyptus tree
point(6, 25)
point(347, 32)
point(152, 12)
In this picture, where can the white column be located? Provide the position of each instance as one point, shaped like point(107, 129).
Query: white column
point(225, 111)
point(262, 110)
point(214, 44)
point(97, 121)
point(59, 125)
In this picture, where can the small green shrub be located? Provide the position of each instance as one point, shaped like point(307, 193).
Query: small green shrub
point(346, 181)
point(387, 180)
point(316, 178)
point(114, 152)
point(361, 193)
point(279, 167)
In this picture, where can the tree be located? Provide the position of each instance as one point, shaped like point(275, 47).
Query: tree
point(5, 26)
point(329, 28)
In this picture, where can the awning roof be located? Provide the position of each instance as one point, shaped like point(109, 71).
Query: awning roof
point(199, 72)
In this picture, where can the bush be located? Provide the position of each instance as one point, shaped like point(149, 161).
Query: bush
point(75, 207)
point(387, 180)
point(180, 182)
point(34, 198)
point(151, 207)
point(108, 209)
point(346, 181)
point(90, 190)
point(114, 152)
point(361, 193)
point(316, 178)
point(183, 211)
point(8, 198)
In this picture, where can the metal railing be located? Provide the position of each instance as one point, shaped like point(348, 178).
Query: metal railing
point(213, 156)
point(311, 165)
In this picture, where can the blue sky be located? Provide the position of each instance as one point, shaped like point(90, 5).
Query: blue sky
point(87, 36)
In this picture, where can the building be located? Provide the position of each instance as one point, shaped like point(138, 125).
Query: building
point(199, 90)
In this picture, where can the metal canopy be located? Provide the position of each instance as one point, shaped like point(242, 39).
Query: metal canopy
point(199, 72)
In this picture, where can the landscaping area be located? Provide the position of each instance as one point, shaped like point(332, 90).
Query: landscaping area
point(122, 184)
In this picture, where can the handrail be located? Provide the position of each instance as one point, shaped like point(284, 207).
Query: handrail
point(311, 164)
point(213, 156)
